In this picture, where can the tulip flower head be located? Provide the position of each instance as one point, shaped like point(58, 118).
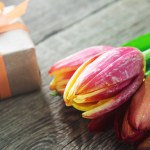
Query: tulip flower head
point(134, 124)
point(105, 82)
point(124, 131)
point(109, 86)
point(140, 107)
point(63, 70)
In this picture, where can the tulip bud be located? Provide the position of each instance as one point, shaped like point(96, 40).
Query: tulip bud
point(140, 107)
point(124, 131)
point(105, 82)
point(128, 133)
point(63, 70)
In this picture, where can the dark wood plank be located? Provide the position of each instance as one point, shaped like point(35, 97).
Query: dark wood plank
point(104, 141)
point(45, 18)
point(40, 121)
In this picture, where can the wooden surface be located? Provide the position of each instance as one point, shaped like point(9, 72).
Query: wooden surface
point(38, 121)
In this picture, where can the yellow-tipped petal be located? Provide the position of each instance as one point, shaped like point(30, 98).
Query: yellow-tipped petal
point(84, 106)
point(70, 88)
point(60, 88)
point(82, 98)
point(62, 83)
point(92, 113)
point(53, 84)
point(56, 82)
point(117, 100)
point(89, 106)
point(63, 71)
point(61, 91)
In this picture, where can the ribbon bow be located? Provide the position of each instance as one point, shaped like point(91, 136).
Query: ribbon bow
point(6, 20)
point(7, 24)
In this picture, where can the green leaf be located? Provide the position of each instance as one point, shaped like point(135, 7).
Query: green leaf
point(147, 73)
point(54, 93)
point(141, 42)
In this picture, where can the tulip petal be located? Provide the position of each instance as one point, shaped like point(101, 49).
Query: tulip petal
point(113, 67)
point(61, 76)
point(64, 69)
point(128, 133)
point(102, 93)
point(74, 61)
point(123, 130)
point(116, 101)
point(53, 84)
point(88, 106)
point(60, 81)
point(69, 91)
point(140, 107)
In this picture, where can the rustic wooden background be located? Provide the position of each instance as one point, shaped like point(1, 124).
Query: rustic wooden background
point(38, 121)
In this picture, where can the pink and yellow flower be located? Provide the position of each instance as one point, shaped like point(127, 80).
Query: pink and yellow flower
point(105, 82)
point(63, 70)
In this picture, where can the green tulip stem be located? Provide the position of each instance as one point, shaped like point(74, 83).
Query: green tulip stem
point(147, 73)
point(142, 42)
point(146, 54)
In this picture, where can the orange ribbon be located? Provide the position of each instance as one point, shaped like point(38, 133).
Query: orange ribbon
point(4, 83)
point(6, 24)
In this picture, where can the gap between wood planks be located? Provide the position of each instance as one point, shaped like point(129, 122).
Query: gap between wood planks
point(78, 21)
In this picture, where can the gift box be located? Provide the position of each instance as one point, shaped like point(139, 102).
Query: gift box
point(19, 71)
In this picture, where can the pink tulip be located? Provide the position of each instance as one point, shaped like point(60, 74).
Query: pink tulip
point(63, 70)
point(104, 83)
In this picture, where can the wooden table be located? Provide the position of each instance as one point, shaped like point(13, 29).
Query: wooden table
point(59, 28)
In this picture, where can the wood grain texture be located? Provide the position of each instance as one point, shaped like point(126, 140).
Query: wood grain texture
point(39, 121)
point(45, 18)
